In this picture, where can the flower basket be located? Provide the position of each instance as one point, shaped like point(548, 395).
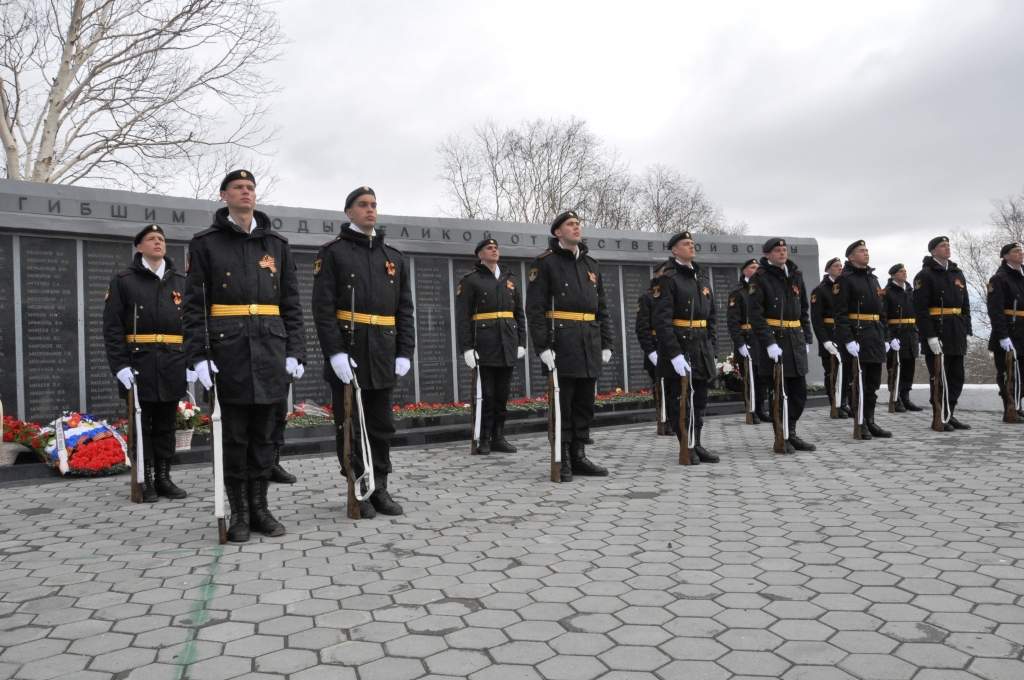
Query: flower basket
point(19, 436)
point(729, 376)
point(183, 440)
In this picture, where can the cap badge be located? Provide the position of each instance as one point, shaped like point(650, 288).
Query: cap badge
point(242, 174)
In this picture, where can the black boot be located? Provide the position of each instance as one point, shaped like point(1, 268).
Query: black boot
point(498, 441)
point(875, 430)
point(238, 523)
point(762, 415)
point(381, 499)
point(796, 442)
point(564, 467)
point(957, 425)
point(588, 440)
point(581, 465)
point(483, 447)
point(149, 494)
point(366, 509)
point(845, 411)
point(163, 484)
point(905, 400)
point(900, 408)
point(259, 514)
point(703, 454)
point(754, 420)
point(278, 474)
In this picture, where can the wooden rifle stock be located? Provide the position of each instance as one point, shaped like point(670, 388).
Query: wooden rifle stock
point(346, 463)
point(893, 387)
point(937, 423)
point(476, 381)
point(684, 442)
point(780, 442)
point(855, 398)
point(1010, 412)
point(658, 396)
point(834, 408)
point(746, 391)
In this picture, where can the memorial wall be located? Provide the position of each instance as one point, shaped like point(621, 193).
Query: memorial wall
point(60, 246)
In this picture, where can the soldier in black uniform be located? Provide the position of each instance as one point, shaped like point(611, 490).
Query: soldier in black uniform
point(823, 320)
point(779, 313)
point(942, 307)
point(862, 328)
point(150, 287)
point(903, 340)
point(582, 337)
point(1005, 309)
point(375, 341)
point(744, 342)
point(647, 337)
point(244, 273)
point(683, 316)
point(492, 334)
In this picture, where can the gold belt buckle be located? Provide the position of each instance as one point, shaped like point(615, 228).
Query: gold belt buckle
point(373, 319)
point(254, 309)
point(159, 337)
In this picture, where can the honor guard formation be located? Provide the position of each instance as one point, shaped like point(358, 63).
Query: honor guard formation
point(233, 321)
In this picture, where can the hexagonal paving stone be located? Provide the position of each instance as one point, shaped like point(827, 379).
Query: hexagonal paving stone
point(571, 668)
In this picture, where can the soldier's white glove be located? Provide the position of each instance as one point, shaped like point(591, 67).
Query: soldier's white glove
point(744, 350)
point(894, 344)
point(127, 377)
point(853, 347)
point(934, 345)
point(470, 357)
point(653, 356)
point(606, 356)
point(547, 357)
point(520, 353)
point(402, 366)
point(204, 371)
point(887, 347)
point(190, 376)
point(774, 352)
point(293, 367)
point(831, 348)
point(342, 366)
point(679, 363)
point(1005, 343)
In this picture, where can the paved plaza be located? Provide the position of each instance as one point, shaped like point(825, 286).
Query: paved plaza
point(875, 560)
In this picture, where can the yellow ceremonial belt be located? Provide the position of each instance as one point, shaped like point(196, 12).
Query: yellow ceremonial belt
point(654, 332)
point(865, 317)
point(368, 319)
point(487, 316)
point(784, 324)
point(1010, 312)
point(159, 337)
point(829, 320)
point(897, 322)
point(571, 316)
point(686, 323)
point(245, 310)
point(745, 326)
point(943, 311)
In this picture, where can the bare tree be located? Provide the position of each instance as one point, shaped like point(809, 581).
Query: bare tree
point(668, 202)
point(127, 92)
point(205, 174)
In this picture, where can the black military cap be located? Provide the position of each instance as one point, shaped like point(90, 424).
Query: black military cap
point(676, 238)
point(237, 174)
point(356, 193)
point(1007, 248)
point(853, 246)
point(934, 243)
point(895, 268)
point(831, 262)
point(148, 230)
point(562, 218)
point(772, 243)
point(749, 262)
point(483, 244)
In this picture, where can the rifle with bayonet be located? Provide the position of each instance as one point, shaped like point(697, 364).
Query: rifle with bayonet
point(684, 394)
point(554, 408)
point(748, 379)
point(1012, 382)
point(478, 395)
point(135, 419)
point(779, 400)
point(856, 396)
point(894, 370)
point(216, 435)
point(834, 407)
point(937, 424)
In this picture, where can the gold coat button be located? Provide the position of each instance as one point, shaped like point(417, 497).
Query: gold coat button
point(254, 309)
point(159, 337)
point(373, 319)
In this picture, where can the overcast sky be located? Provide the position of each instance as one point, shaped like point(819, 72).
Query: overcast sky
point(889, 121)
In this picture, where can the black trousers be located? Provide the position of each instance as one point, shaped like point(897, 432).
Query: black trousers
point(908, 365)
point(496, 382)
point(248, 451)
point(760, 387)
point(280, 422)
point(871, 380)
point(844, 395)
point(379, 428)
point(158, 429)
point(576, 399)
point(954, 377)
point(796, 390)
point(674, 396)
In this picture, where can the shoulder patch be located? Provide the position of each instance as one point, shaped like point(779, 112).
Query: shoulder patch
point(991, 288)
point(670, 272)
point(917, 284)
point(545, 254)
point(533, 274)
point(732, 301)
point(656, 291)
point(814, 297)
point(126, 272)
point(835, 288)
point(318, 265)
point(753, 287)
point(458, 292)
point(106, 296)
